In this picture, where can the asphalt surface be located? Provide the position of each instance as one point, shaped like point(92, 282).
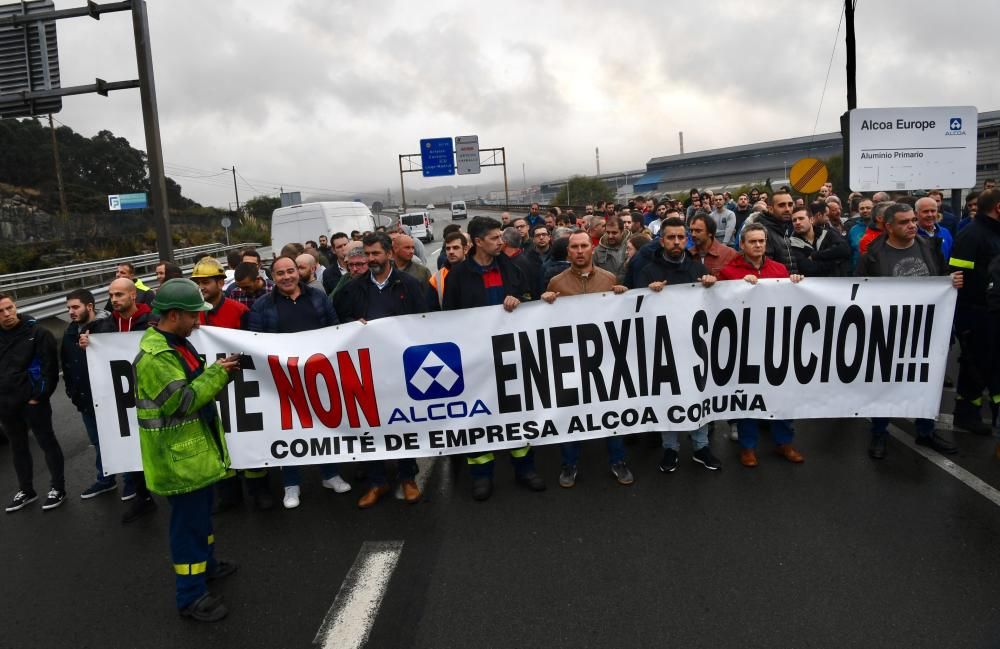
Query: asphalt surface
point(841, 551)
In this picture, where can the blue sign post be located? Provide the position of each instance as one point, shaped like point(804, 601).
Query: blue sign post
point(437, 157)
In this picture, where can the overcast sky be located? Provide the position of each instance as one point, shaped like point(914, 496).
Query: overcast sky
point(317, 95)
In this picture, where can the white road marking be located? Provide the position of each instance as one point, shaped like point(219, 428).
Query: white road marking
point(970, 479)
point(350, 619)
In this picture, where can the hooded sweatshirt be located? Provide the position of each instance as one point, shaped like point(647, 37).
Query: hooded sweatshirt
point(140, 320)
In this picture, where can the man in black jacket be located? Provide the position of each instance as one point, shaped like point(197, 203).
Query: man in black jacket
point(818, 251)
point(673, 265)
point(383, 292)
point(778, 221)
point(29, 373)
point(487, 277)
point(76, 379)
point(901, 253)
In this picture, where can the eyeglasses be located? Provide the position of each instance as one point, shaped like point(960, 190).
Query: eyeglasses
point(357, 264)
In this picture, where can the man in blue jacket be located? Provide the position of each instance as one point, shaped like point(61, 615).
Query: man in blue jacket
point(291, 307)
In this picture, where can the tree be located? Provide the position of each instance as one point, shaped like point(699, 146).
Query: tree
point(584, 189)
point(262, 206)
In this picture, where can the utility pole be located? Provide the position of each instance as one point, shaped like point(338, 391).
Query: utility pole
point(680, 136)
point(235, 189)
point(852, 87)
point(59, 179)
point(597, 157)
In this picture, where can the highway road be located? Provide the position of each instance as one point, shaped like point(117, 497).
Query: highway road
point(840, 551)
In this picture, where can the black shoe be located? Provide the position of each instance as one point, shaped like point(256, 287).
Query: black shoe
point(229, 494)
point(938, 443)
point(669, 462)
point(54, 498)
point(971, 422)
point(704, 457)
point(206, 608)
point(482, 488)
point(876, 449)
point(223, 569)
point(21, 500)
point(139, 508)
point(531, 480)
point(263, 500)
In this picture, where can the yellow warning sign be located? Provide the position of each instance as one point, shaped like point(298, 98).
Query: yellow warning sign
point(808, 175)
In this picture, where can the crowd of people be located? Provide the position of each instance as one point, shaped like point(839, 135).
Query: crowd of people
point(651, 243)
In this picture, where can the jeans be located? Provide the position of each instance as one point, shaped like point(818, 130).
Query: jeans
point(90, 424)
point(407, 470)
point(38, 418)
point(880, 427)
point(699, 438)
point(781, 431)
point(570, 451)
point(291, 476)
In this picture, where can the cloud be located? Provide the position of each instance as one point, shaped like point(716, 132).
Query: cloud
point(328, 94)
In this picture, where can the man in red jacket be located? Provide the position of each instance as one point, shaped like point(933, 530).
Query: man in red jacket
point(751, 266)
point(226, 312)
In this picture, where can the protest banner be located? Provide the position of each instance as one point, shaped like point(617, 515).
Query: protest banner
point(585, 367)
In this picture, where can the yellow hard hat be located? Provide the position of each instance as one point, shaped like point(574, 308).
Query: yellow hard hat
point(207, 267)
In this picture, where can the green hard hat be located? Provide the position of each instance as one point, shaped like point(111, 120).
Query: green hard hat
point(179, 293)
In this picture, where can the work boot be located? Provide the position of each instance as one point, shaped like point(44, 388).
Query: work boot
point(531, 480)
point(260, 491)
point(968, 417)
point(140, 507)
point(229, 495)
point(748, 457)
point(789, 453)
point(222, 570)
point(207, 608)
point(482, 488)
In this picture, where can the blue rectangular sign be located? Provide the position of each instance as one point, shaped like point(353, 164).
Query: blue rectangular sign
point(437, 157)
point(133, 201)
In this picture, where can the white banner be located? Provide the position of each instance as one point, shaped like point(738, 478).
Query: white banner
point(586, 367)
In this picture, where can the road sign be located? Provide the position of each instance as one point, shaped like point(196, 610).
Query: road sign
point(898, 149)
point(808, 175)
point(29, 61)
point(118, 202)
point(467, 154)
point(437, 157)
point(226, 222)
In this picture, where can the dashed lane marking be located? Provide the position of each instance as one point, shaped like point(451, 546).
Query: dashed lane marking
point(970, 479)
point(349, 621)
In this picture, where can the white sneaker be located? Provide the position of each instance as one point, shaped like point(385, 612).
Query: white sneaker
point(291, 500)
point(338, 484)
point(734, 432)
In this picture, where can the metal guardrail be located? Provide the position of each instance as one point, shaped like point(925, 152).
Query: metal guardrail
point(50, 289)
point(63, 278)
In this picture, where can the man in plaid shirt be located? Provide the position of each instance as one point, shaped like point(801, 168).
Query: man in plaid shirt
point(249, 285)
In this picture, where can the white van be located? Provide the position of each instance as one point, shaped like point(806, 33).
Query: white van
point(419, 224)
point(458, 210)
point(307, 221)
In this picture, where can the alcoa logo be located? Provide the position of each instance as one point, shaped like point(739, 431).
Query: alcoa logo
point(954, 127)
point(433, 371)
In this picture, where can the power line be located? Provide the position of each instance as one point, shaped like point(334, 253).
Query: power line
point(836, 40)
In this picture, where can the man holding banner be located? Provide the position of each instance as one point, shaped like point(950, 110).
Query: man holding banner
point(750, 266)
point(183, 447)
point(901, 253)
point(488, 277)
point(675, 265)
point(384, 292)
point(580, 278)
